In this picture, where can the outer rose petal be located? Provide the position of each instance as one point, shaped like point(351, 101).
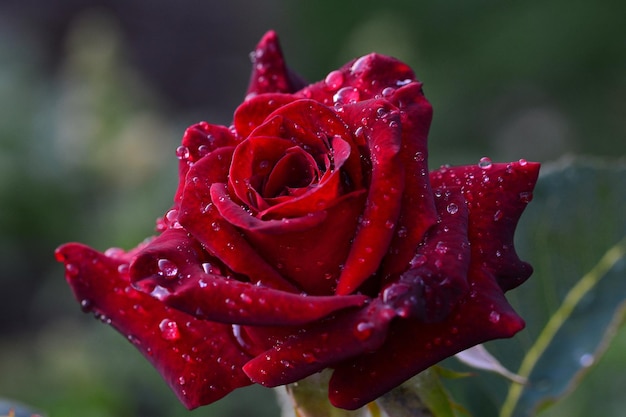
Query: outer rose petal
point(412, 346)
point(383, 139)
point(186, 286)
point(438, 274)
point(418, 209)
point(368, 76)
point(269, 72)
point(198, 359)
point(198, 141)
point(321, 344)
point(496, 194)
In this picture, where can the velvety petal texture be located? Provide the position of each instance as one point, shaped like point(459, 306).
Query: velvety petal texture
point(309, 234)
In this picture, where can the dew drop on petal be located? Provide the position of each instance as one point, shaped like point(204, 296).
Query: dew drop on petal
point(169, 330)
point(387, 92)
point(494, 317)
point(160, 293)
point(452, 208)
point(167, 268)
point(523, 162)
point(526, 197)
point(497, 215)
point(363, 330)
point(71, 270)
point(485, 163)
point(418, 260)
point(346, 95)
point(86, 305)
point(182, 152)
point(334, 80)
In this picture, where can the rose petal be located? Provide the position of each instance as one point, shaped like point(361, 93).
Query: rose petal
point(496, 194)
point(199, 217)
point(198, 141)
point(371, 242)
point(371, 76)
point(269, 72)
point(253, 112)
point(412, 346)
point(320, 345)
point(437, 274)
point(303, 254)
point(198, 359)
point(418, 212)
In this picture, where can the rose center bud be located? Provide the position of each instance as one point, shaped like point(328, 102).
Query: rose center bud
point(295, 170)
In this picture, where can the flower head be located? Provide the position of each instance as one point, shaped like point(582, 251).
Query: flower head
point(310, 235)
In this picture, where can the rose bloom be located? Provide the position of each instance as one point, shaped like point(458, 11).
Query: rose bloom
point(310, 235)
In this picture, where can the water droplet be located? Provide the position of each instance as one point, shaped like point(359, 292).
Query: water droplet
point(86, 305)
point(497, 215)
point(406, 81)
point(419, 156)
point(71, 270)
point(359, 65)
point(389, 224)
point(452, 208)
point(485, 163)
point(167, 268)
point(215, 226)
point(334, 80)
point(346, 95)
point(418, 260)
point(363, 330)
point(169, 330)
point(382, 112)
point(402, 231)
point(387, 92)
point(245, 298)
point(441, 248)
point(182, 153)
point(494, 317)
point(181, 380)
point(160, 293)
point(586, 360)
point(523, 162)
point(123, 269)
point(526, 197)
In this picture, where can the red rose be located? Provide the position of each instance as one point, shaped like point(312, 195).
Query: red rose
point(310, 235)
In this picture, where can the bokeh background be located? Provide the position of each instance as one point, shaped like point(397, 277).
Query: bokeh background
point(95, 96)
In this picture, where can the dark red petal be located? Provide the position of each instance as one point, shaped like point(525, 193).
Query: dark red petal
point(199, 217)
point(252, 162)
point(418, 209)
point(497, 194)
point(438, 273)
point(305, 255)
point(253, 112)
point(320, 345)
point(364, 78)
point(312, 126)
point(238, 216)
point(198, 359)
point(383, 136)
point(269, 72)
point(198, 141)
point(412, 346)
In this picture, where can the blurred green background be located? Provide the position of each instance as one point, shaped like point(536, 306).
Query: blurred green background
point(95, 96)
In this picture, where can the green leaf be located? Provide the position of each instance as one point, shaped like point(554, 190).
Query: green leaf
point(421, 396)
point(575, 235)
